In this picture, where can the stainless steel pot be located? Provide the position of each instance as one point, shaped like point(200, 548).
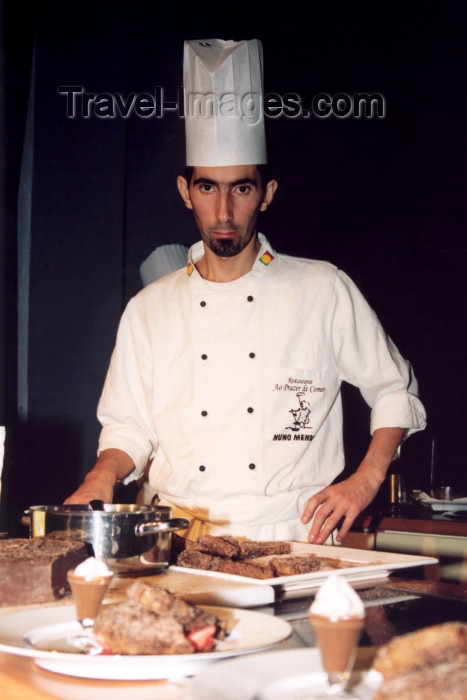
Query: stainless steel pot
point(128, 537)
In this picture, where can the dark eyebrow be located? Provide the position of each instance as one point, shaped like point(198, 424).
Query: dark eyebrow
point(204, 181)
point(244, 181)
point(235, 183)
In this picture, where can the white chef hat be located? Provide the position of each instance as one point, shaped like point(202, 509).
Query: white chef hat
point(224, 121)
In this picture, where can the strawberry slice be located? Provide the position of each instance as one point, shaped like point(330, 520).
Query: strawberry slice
point(203, 639)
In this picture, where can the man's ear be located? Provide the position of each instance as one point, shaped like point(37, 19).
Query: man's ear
point(271, 188)
point(183, 189)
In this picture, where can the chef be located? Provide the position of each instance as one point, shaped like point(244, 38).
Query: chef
point(225, 379)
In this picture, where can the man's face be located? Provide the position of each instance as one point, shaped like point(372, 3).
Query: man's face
point(226, 202)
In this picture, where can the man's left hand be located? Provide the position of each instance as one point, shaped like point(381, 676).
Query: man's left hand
point(344, 500)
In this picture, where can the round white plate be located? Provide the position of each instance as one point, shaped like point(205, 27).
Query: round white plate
point(41, 626)
point(293, 674)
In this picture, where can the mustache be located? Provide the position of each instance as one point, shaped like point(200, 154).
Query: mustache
point(224, 228)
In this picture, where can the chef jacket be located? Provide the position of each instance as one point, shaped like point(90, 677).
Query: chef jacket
point(232, 390)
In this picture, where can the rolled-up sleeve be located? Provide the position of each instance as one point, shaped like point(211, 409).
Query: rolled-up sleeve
point(367, 358)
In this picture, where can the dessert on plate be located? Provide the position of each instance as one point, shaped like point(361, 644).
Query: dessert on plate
point(89, 582)
point(154, 621)
point(254, 559)
point(429, 664)
point(337, 616)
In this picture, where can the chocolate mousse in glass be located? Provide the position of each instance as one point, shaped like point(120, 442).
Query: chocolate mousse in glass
point(337, 616)
point(89, 583)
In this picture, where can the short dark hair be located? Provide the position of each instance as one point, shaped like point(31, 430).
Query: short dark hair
point(265, 172)
point(188, 173)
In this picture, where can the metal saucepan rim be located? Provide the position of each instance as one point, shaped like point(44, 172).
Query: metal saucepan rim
point(112, 508)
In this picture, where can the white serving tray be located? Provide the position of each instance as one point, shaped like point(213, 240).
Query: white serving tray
point(371, 565)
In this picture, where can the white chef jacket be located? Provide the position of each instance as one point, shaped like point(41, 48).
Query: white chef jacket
point(233, 389)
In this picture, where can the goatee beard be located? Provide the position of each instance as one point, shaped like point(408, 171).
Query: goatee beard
point(225, 247)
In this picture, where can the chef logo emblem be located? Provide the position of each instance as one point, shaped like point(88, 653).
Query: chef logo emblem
point(307, 404)
point(300, 415)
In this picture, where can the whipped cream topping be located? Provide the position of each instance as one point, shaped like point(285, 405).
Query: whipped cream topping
point(337, 600)
point(92, 568)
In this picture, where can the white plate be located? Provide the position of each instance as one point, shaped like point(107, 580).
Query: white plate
point(293, 674)
point(371, 565)
point(252, 631)
point(445, 505)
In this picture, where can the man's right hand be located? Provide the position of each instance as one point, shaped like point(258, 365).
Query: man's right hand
point(90, 491)
point(111, 466)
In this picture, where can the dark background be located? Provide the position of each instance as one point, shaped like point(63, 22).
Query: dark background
point(382, 198)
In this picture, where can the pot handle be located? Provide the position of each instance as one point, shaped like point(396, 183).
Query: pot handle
point(161, 526)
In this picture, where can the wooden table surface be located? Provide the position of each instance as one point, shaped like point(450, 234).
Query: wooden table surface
point(21, 679)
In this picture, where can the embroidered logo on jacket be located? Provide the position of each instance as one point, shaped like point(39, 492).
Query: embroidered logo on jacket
point(298, 422)
point(300, 415)
point(266, 258)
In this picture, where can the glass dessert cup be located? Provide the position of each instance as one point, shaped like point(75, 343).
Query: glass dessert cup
point(88, 595)
point(337, 641)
